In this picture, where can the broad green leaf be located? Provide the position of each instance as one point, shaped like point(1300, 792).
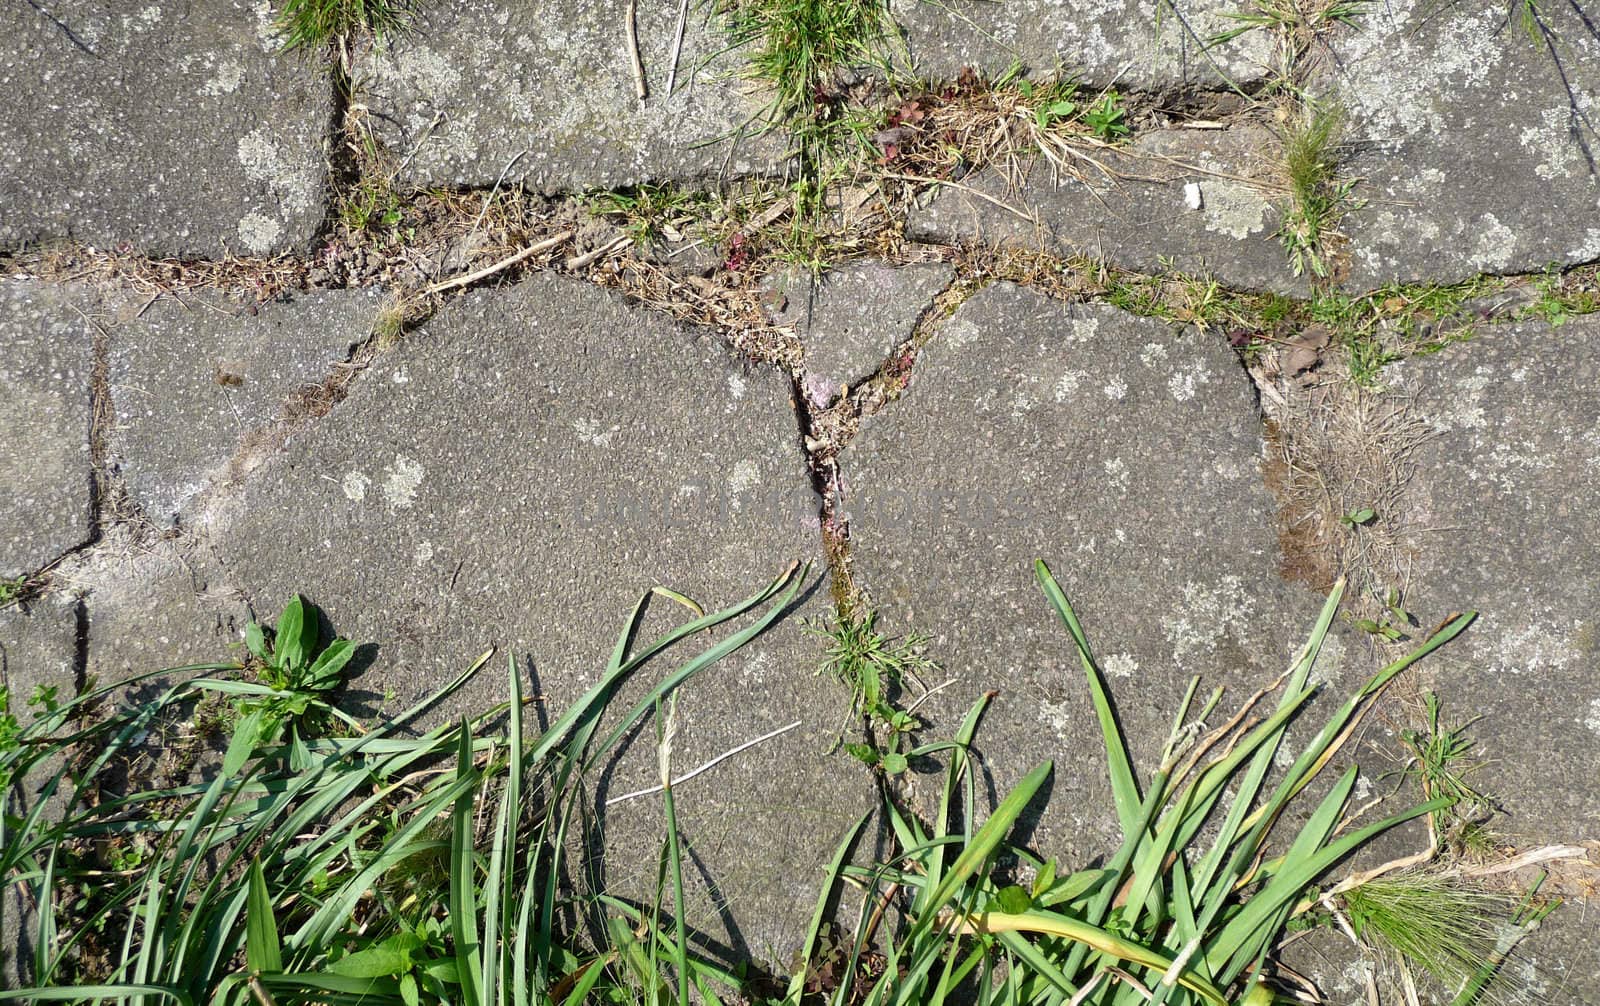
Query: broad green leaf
point(289, 642)
point(246, 735)
point(262, 950)
point(388, 957)
point(1013, 900)
point(894, 763)
point(256, 641)
point(325, 672)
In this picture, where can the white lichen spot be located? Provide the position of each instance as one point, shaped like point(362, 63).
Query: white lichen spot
point(1083, 329)
point(1121, 665)
point(1153, 354)
point(1531, 649)
point(423, 553)
point(259, 233)
point(960, 333)
point(1592, 720)
point(355, 485)
point(1067, 386)
point(428, 71)
point(1057, 716)
point(1496, 243)
point(1116, 473)
point(1205, 616)
point(401, 375)
point(1185, 383)
point(590, 431)
point(1464, 410)
point(228, 77)
point(736, 385)
point(1235, 209)
point(1552, 141)
point(400, 485)
point(1116, 389)
point(264, 162)
point(151, 16)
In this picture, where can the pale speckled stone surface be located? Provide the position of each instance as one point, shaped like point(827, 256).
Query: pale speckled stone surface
point(177, 128)
point(514, 474)
point(1126, 454)
point(46, 366)
point(178, 425)
point(852, 318)
point(1104, 41)
point(1460, 131)
point(1511, 488)
point(1139, 220)
point(480, 82)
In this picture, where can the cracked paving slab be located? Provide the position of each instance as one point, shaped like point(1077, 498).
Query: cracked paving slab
point(1143, 44)
point(853, 317)
point(514, 474)
point(177, 129)
point(1509, 492)
point(1463, 133)
point(194, 383)
point(1143, 216)
point(545, 93)
point(1126, 454)
point(46, 371)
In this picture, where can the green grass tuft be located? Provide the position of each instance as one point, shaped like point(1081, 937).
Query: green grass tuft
point(313, 24)
point(1317, 196)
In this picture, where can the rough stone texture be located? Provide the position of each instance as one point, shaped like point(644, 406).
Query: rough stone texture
point(1139, 220)
point(1464, 139)
point(177, 128)
point(38, 646)
point(481, 82)
point(191, 381)
point(1512, 483)
point(514, 474)
point(1126, 41)
point(1126, 454)
point(46, 366)
point(854, 317)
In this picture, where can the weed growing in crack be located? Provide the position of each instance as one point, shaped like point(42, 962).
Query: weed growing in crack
point(651, 214)
point(313, 24)
point(873, 666)
point(1441, 761)
point(1318, 197)
point(1561, 295)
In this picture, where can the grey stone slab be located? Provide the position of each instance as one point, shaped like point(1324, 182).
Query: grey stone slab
point(38, 647)
point(46, 369)
point(177, 128)
point(1462, 134)
point(1126, 454)
point(1132, 43)
point(1140, 218)
point(515, 473)
point(190, 382)
point(545, 93)
point(1509, 491)
point(854, 317)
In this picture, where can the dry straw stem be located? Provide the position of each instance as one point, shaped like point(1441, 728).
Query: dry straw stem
point(503, 264)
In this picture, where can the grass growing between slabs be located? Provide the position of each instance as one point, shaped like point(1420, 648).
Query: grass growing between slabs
point(393, 867)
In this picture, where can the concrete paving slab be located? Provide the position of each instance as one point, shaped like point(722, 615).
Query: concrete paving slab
point(1132, 43)
point(174, 128)
point(192, 382)
point(852, 319)
point(46, 369)
point(545, 93)
point(1475, 147)
point(1125, 453)
point(1510, 490)
point(514, 474)
point(1141, 218)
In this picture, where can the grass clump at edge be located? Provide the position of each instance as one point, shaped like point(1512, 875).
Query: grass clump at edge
point(389, 868)
point(312, 24)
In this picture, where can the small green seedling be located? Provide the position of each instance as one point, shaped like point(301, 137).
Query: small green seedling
point(1359, 518)
point(1108, 119)
point(296, 673)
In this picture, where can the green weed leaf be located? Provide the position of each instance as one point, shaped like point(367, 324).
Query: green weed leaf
point(291, 643)
point(1013, 900)
point(392, 956)
point(246, 735)
point(262, 950)
point(326, 672)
